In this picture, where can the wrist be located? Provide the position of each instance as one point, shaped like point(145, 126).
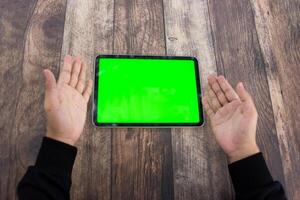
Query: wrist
point(242, 153)
point(61, 139)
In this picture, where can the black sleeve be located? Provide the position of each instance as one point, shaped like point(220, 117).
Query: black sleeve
point(50, 177)
point(252, 180)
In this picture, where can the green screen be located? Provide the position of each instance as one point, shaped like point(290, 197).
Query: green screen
point(143, 90)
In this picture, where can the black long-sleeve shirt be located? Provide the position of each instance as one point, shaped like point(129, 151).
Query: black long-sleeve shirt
point(50, 177)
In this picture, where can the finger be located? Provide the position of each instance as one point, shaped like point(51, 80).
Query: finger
point(50, 88)
point(65, 73)
point(76, 67)
point(216, 105)
point(88, 90)
point(227, 89)
point(207, 108)
point(245, 97)
point(212, 80)
point(242, 93)
point(82, 78)
point(50, 82)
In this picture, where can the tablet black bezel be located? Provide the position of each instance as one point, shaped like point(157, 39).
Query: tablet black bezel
point(96, 73)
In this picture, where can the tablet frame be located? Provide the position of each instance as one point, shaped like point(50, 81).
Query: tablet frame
point(150, 125)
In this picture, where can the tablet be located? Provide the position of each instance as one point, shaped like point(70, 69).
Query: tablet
point(151, 91)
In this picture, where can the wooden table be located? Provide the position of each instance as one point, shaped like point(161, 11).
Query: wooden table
point(256, 41)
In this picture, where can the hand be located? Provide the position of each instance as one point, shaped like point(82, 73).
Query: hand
point(66, 101)
point(233, 118)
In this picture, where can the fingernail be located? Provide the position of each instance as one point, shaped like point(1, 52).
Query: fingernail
point(221, 77)
point(77, 59)
point(241, 85)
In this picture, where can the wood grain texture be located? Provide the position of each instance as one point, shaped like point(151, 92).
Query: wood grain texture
point(239, 57)
point(88, 31)
point(198, 161)
point(280, 43)
point(42, 43)
point(100, 184)
point(141, 158)
point(255, 41)
point(13, 23)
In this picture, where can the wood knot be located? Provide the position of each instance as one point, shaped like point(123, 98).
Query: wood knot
point(172, 39)
point(52, 26)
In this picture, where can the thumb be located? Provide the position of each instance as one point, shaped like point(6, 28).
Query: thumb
point(242, 92)
point(50, 87)
point(50, 82)
point(245, 97)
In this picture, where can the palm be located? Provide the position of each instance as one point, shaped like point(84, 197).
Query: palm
point(66, 101)
point(67, 111)
point(230, 124)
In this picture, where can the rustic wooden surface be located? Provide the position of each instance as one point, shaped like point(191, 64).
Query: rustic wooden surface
point(256, 41)
point(141, 157)
point(195, 146)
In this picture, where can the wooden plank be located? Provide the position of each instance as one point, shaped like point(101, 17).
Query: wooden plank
point(141, 157)
point(277, 25)
point(199, 164)
point(239, 57)
point(41, 49)
point(100, 184)
point(88, 31)
point(14, 17)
